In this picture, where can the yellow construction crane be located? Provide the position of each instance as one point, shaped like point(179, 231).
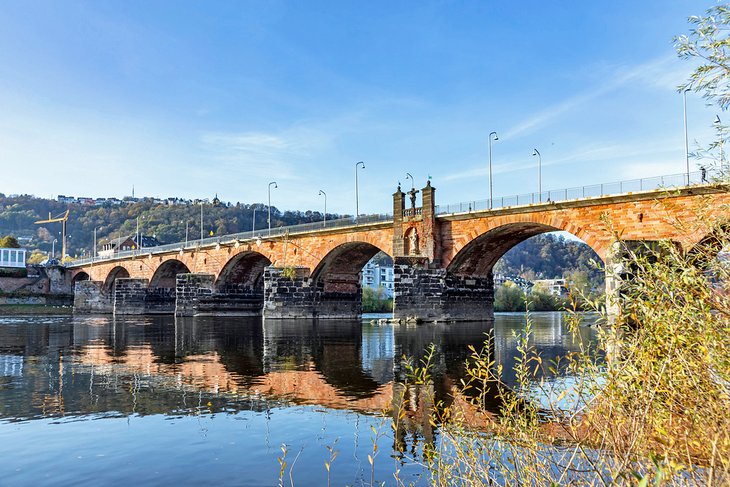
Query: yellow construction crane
point(63, 219)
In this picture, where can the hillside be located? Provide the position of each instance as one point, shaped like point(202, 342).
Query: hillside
point(551, 256)
point(165, 221)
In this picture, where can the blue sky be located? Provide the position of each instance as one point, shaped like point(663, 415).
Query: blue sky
point(196, 98)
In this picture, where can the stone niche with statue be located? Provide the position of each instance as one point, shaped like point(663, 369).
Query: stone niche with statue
point(414, 227)
point(423, 291)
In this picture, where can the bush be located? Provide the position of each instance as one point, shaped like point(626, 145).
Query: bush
point(376, 301)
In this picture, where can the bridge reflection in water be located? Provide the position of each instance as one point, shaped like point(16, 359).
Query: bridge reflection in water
point(152, 365)
point(224, 393)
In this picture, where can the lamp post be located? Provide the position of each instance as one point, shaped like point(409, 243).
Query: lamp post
point(324, 221)
point(357, 196)
point(718, 124)
point(536, 152)
point(95, 242)
point(253, 222)
point(686, 141)
point(186, 233)
point(201, 220)
point(275, 186)
point(490, 166)
point(410, 176)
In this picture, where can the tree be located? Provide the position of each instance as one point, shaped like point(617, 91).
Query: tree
point(36, 257)
point(9, 242)
point(708, 42)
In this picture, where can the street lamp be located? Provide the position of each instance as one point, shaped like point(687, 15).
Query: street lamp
point(322, 193)
point(357, 196)
point(490, 165)
point(275, 186)
point(413, 183)
point(686, 141)
point(253, 221)
point(201, 220)
point(718, 124)
point(536, 152)
point(139, 235)
point(186, 232)
point(95, 242)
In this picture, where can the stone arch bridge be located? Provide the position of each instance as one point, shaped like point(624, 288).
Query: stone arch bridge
point(443, 263)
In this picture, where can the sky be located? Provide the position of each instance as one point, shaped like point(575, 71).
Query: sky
point(193, 99)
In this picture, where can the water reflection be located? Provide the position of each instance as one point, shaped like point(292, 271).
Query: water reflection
point(83, 398)
point(81, 365)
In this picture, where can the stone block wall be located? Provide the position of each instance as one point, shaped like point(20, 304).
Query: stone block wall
point(288, 296)
point(296, 296)
point(240, 302)
point(130, 296)
point(425, 294)
point(160, 301)
point(91, 298)
point(190, 290)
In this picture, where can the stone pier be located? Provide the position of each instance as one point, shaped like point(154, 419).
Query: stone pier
point(90, 297)
point(426, 294)
point(190, 290)
point(291, 293)
point(130, 296)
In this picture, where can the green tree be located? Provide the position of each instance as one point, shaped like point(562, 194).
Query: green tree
point(708, 44)
point(9, 242)
point(509, 298)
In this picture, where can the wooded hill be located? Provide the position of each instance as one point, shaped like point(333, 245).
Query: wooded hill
point(166, 222)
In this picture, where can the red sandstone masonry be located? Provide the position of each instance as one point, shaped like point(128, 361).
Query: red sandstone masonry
point(644, 216)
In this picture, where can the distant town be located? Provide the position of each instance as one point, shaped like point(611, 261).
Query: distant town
point(128, 200)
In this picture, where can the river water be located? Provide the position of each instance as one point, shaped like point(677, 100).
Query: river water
point(165, 401)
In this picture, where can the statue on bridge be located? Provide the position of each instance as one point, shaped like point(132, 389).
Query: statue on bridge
point(412, 193)
point(411, 247)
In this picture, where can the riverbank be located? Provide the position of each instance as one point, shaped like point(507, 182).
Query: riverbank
point(34, 309)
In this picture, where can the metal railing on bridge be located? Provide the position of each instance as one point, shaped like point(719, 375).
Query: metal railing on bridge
point(580, 192)
point(591, 191)
point(242, 237)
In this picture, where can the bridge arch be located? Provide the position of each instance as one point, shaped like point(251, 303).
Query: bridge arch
point(118, 272)
point(80, 276)
point(339, 270)
point(165, 275)
point(244, 270)
point(478, 257)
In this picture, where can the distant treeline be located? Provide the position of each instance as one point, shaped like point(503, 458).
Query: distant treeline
point(552, 256)
point(166, 222)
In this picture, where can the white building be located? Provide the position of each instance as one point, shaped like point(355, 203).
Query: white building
point(12, 258)
point(375, 276)
point(555, 287)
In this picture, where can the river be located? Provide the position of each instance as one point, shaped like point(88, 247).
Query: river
point(162, 400)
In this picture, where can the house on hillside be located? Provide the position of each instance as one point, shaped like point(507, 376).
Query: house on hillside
point(124, 244)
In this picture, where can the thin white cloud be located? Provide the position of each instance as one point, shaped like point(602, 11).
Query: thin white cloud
point(665, 72)
point(261, 154)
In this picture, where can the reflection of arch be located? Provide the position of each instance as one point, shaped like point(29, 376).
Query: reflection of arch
point(80, 276)
point(477, 258)
point(339, 270)
point(244, 270)
point(118, 272)
point(165, 275)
